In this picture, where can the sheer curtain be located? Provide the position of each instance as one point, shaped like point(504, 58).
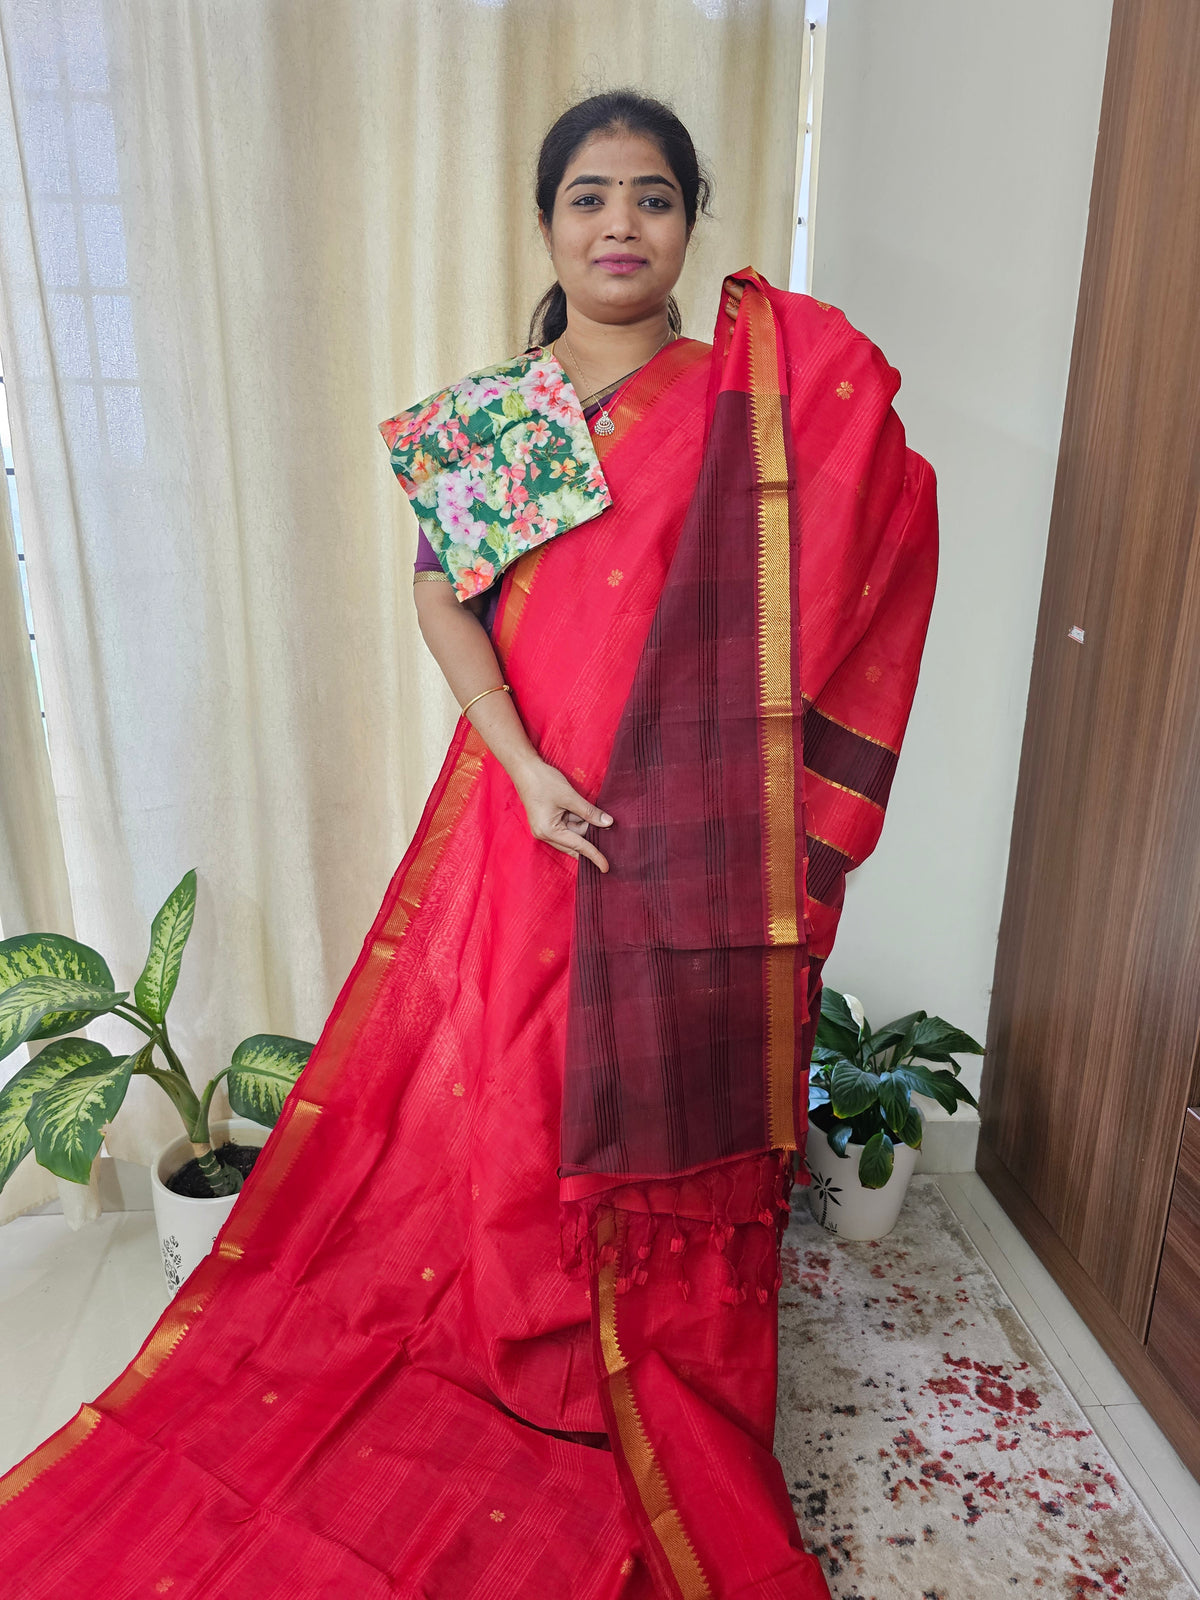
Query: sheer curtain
point(236, 234)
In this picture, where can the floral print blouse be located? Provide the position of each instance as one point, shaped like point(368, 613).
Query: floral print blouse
point(496, 464)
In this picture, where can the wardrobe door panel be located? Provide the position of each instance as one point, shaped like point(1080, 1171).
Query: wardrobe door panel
point(1096, 1003)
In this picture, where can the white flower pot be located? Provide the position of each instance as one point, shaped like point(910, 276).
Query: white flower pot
point(188, 1227)
point(837, 1198)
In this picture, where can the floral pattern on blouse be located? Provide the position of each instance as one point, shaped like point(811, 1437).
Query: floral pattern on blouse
point(497, 464)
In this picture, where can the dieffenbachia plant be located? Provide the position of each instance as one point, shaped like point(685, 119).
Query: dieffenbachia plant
point(862, 1081)
point(58, 1105)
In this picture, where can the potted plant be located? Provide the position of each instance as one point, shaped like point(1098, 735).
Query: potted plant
point(864, 1131)
point(60, 1103)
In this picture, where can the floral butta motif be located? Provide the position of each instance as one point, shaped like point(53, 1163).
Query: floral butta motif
point(497, 464)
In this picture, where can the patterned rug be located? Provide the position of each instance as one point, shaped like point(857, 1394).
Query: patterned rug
point(932, 1451)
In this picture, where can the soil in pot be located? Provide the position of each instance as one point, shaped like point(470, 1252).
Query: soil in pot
point(190, 1181)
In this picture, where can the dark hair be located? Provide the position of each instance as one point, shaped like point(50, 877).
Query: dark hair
point(619, 110)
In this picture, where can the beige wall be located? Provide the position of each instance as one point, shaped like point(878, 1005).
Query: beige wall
point(957, 143)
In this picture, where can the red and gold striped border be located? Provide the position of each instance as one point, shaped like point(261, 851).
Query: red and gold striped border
point(777, 701)
point(666, 1525)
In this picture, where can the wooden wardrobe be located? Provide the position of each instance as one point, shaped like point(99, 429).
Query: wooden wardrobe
point(1087, 1136)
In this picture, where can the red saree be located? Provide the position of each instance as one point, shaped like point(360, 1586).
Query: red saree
point(495, 1313)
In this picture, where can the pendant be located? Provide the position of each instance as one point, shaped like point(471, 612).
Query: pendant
point(605, 424)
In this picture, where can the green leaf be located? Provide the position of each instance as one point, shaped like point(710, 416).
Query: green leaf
point(514, 407)
point(876, 1162)
point(837, 1030)
point(53, 1063)
point(935, 1039)
point(939, 1086)
point(964, 1093)
point(263, 1070)
point(913, 1131)
point(853, 1090)
point(27, 1008)
point(892, 1032)
point(839, 1137)
point(903, 1050)
point(835, 1008)
point(168, 935)
point(67, 1120)
point(35, 955)
point(818, 1095)
point(947, 1091)
point(894, 1099)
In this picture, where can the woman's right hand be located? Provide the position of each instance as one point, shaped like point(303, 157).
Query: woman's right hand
point(558, 814)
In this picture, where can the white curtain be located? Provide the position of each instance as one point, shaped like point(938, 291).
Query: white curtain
point(235, 235)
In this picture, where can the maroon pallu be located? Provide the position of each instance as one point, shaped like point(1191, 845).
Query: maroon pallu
point(419, 1361)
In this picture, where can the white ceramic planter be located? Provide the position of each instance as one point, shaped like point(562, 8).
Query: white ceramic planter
point(837, 1198)
point(187, 1227)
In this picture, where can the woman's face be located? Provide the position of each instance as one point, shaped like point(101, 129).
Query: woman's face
point(618, 234)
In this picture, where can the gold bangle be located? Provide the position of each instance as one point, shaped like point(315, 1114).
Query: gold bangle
point(495, 689)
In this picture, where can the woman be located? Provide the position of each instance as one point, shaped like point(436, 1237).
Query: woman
point(496, 1311)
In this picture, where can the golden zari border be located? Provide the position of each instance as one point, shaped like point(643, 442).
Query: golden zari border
point(520, 582)
point(840, 848)
point(845, 788)
point(85, 1422)
point(665, 1522)
point(849, 726)
point(776, 710)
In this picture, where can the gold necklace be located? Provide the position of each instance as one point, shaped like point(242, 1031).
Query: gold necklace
point(605, 423)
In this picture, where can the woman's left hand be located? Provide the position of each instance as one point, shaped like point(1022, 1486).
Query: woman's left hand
point(558, 814)
point(733, 300)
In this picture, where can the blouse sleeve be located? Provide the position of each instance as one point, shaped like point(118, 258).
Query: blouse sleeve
point(427, 564)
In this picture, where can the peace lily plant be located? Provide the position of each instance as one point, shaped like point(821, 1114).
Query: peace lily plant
point(59, 1105)
point(863, 1080)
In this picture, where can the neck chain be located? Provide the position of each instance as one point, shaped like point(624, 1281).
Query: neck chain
point(604, 423)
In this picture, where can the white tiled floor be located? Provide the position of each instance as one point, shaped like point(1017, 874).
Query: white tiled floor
point(74, 1307)
point(1155, 1473)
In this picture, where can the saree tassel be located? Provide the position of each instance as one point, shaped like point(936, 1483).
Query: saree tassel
point(734, 1292)
point(676, 1246)
point(768, 1201)
point(576, 1239)
point(639, 1240)
point(721, 1230)
point(784, 1182)
point(640, 1270)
